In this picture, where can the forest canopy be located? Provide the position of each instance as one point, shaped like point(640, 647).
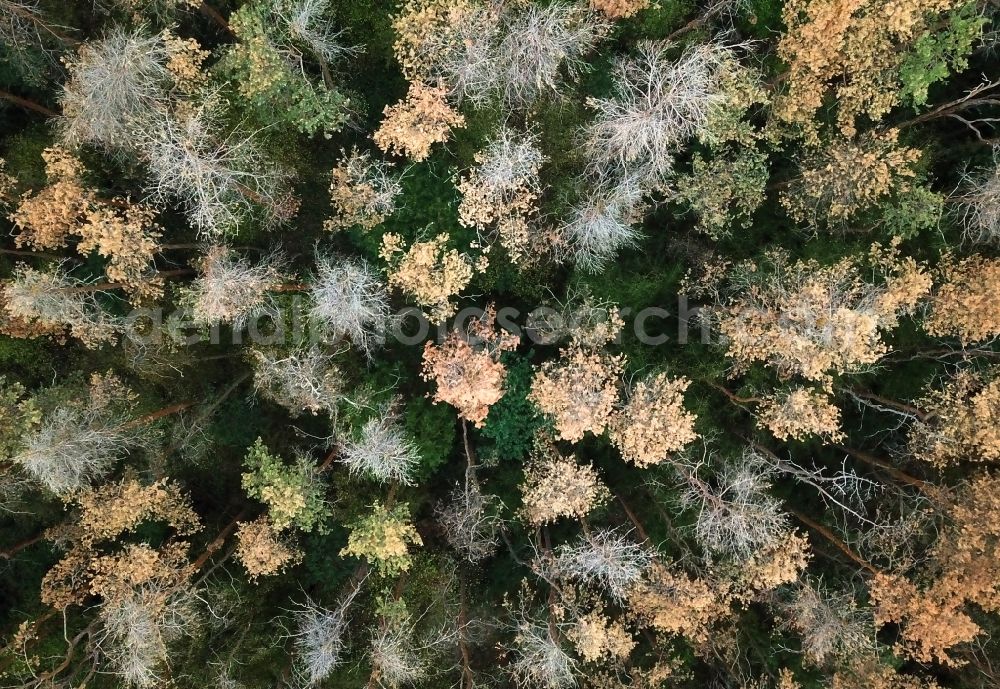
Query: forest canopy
point(543, 344)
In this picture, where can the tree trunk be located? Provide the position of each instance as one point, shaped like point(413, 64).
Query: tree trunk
point(28, 104)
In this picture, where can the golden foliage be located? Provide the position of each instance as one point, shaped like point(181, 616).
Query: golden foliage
point(800, 413)
point(118, 230)
point(578, 391)
point(779, 563)
point(653, 422)
point(848, 177)
point(965, 304)
point(598, 638)
point(855, 48)
point(960, 422)
point(427, 271)
point(619, 9)
point(963, 570)
point(675, 603)
point(116, 508)
point(816, 320)
point(500, 197)
point(425, 29)
point(126, 235)
point(262, 550)
point(185, 60)
point(46, 219)
point(467, 369)
point(556, 486)
point(412, 126)
point(360, 192)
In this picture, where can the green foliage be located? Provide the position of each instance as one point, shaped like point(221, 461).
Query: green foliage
point(725, 190)
point(432, 427)
point(293, 493)
point(938, 54)
point(18, 415)
point(513, 421)
point(916, 210)
point(270, 87)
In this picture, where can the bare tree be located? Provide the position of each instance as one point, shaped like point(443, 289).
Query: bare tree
point(735, 513)
point(55, 298)
point(219, 178)
point(538, 43)
point(471, 520)
point(351, 302)
point(382, 451)
point(308, 23)
point(319, 638)
point(75, 445)
point(28, 39)
point(231, 289)
point(117, 85)
point(657, 105)
point(604, 222)
point(607, 558)
point(977, 202)
point(830, 623)
point(299, 380)
point(542, 659)
point(137, 630)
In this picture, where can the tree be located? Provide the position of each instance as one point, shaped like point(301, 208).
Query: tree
point(231, 289)
point(270, 64)
point(294, 494)
point(541, 660)
point(603, 223)
point(652, 422)
point(557, 486)
point(932, 610)
point(363, 191)
point(537, 44)
point(421, 120)
point(814, 320)
point(470, 519)
point(53, 300)
point(977, 202)
point(263, 550)
point(428, 271)
point(656, 106)
point(578, 391)
point(381, 451)
point(220, 177)
point(619, 9)
point(862, 54)
point(830, 623)
point(799, 413)
point(849, 177)
point(303, 379)
point(957, 424)
point(724, 191)
point(116, 87)
point(605, 558)
point(467, 367)
point(319, 638)
point(500, 194)
point(350, 301)
point(735, 514)
point(382, 538)
point(962, 304)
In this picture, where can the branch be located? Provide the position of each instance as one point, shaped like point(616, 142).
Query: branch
point(830, 536)
point(886, 467)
